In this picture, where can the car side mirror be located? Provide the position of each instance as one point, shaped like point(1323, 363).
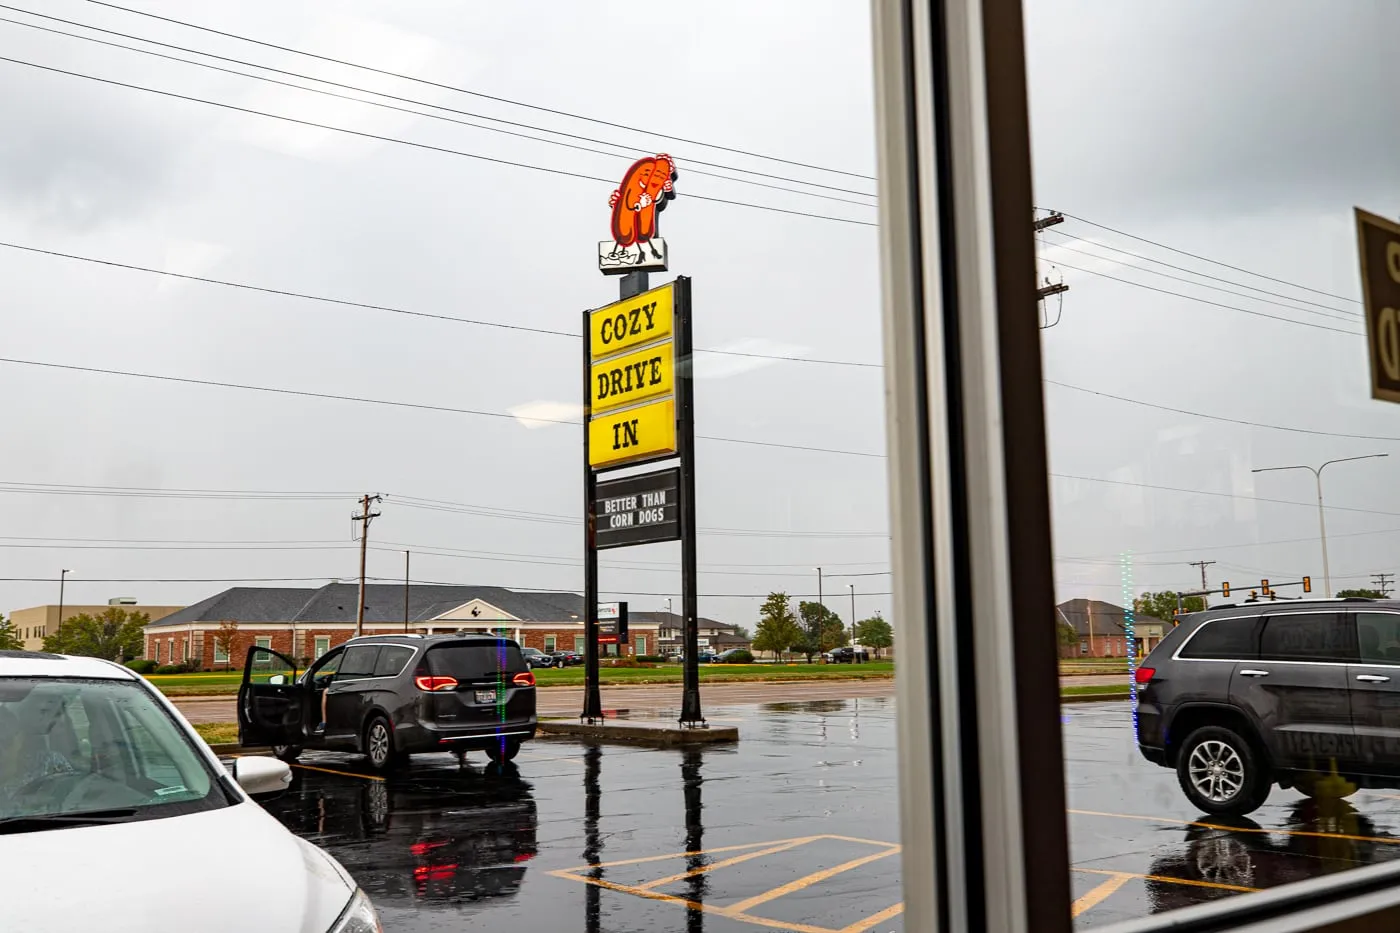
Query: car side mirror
point(277, 679)
point(260, 776)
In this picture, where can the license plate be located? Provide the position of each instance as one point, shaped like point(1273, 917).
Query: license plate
point(486, 696)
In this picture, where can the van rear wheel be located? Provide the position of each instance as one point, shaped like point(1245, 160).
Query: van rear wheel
point(379, 744)
point(288, 753)
point(503, 751)
point(1220, 772)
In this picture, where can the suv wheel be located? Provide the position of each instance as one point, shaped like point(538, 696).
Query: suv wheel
point(1220, 772)
point(288, 753)
point(379, 744)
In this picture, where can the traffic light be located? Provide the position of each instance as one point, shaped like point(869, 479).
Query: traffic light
point(1307, 584)
point(1264, 585)
point(1225, 589)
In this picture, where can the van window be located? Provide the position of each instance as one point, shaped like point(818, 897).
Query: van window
point(1308, 636)
point(476, 661)
point(392, 658)
point(358, 662)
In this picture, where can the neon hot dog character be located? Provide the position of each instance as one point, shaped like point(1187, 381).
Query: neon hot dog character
point(644, 191)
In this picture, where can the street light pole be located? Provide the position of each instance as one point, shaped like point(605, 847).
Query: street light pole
point(1321, 514)
point(853, 614)
point(817, 634)
point(62, 575)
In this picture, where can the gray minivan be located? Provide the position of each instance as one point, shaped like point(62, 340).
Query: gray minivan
point(390, 696)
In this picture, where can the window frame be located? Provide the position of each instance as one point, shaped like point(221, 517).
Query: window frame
point(551, 644)
point(984, 841)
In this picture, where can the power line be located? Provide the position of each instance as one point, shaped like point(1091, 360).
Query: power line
point(1352, 315)
point(1225, 495)
point(417, 145)
point(1207, 301)
point(629, 153)
point(344, 302)
point(480, 94)
point(1208, 417)
point(1183, 252)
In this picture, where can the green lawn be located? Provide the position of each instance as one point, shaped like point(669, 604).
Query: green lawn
point(221, 683)
point(218, 733)
point(1094, 690)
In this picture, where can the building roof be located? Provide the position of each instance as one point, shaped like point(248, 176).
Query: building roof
point(384, 602)
point(1107, 618)
point(675, 620)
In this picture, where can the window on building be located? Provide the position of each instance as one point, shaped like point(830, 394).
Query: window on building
point(155, 650)
point(263, 642)
point(578, 644)
point(322, 645)
point(549, 642)
point(220, 654)
point(641, 644)
point(170, 649)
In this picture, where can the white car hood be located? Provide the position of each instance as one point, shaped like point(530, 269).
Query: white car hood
point(221, 871)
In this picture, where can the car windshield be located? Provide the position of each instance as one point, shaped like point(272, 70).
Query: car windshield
point(74, 747)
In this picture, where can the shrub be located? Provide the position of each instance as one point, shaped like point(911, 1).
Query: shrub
point(188, 666)
point(168, 669)
point(650, 659)
point(740, 657)
point(622, 662)
point(141, 665)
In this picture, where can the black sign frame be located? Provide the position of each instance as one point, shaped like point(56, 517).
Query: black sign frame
point(1379, 248)
point(627, 512)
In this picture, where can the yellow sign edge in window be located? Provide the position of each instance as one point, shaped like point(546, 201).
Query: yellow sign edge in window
point(645, 318)
point(622, 381)
point(633, 434)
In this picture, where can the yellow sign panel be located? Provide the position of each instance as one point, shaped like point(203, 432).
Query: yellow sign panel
point(626, 380)
point(620, 326)
point(642, 433)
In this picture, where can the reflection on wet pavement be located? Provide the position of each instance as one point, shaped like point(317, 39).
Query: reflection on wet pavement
point(795, 828)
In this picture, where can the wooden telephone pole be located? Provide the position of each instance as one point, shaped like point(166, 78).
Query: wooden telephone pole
point(364, 518)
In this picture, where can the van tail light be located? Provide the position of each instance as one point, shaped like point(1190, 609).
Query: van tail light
point(523, 679)
point(1145, 674)
point(431, 684)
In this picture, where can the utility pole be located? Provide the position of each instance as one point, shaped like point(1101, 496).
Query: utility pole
point(1203, 564)
point(62, 575)
point(364, 518)
point(1383, 581)
point(1060, 287)
point(405, 592)
point(853, 613)
point(817, 629)
point(1089, 605)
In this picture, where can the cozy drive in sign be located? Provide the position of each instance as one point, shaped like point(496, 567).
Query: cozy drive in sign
point(1379, 247)
point(636, 203)
point(623, 325)
point(633, 435)
point(633, 378)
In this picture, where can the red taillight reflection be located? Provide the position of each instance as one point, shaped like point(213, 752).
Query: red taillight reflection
point(435, 872)
point(1145, 674)
point(423, 848)
point(431, 684)
point(524, 857)
point(525, 679)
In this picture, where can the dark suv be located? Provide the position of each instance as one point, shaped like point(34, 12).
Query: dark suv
point(389, 696)
point(1242, 697)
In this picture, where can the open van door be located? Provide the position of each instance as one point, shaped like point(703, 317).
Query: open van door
point(270, 701)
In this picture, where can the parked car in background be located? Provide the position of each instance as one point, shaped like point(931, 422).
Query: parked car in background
point(848, 654)
point(389, 696)
point(121, 808)
point(537, 658)
point(703, 656)
point(734, 656)
point(566, 658)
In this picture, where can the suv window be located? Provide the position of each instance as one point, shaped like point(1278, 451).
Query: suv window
point(1307, 636)
point(392, 659)
point(358, 662)
point(476, 662)
point(1223, 640)
point(1378, 637)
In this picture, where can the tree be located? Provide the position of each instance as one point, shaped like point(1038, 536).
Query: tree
point(9, 637)
point(1065, 633)
point(876, 633)
point(1365, 594)
point(114, 635)
point(825, 625)
point(1163, 605)
point(777, 628)
point(226, 640)
point(742, 631)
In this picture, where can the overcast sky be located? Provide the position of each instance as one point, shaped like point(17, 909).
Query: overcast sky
point(1240, 132)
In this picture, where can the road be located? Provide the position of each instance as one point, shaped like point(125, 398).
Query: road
point(643, 698)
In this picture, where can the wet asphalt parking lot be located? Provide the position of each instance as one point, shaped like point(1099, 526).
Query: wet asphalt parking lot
point(794, 828)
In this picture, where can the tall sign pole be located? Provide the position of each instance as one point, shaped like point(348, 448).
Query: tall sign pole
point(639, 408)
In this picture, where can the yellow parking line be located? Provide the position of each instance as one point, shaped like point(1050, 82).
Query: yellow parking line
point(1388, 840)
point(1167, 879)
point(807, 881)
point(1099, 894)
point(791, 844)
point(674, 855)
point(367, 777)
point(860, 926)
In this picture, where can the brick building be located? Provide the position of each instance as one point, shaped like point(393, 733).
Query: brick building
point(308, 622)
point(716, 636)
point(1102, 631)
point(36, 622)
